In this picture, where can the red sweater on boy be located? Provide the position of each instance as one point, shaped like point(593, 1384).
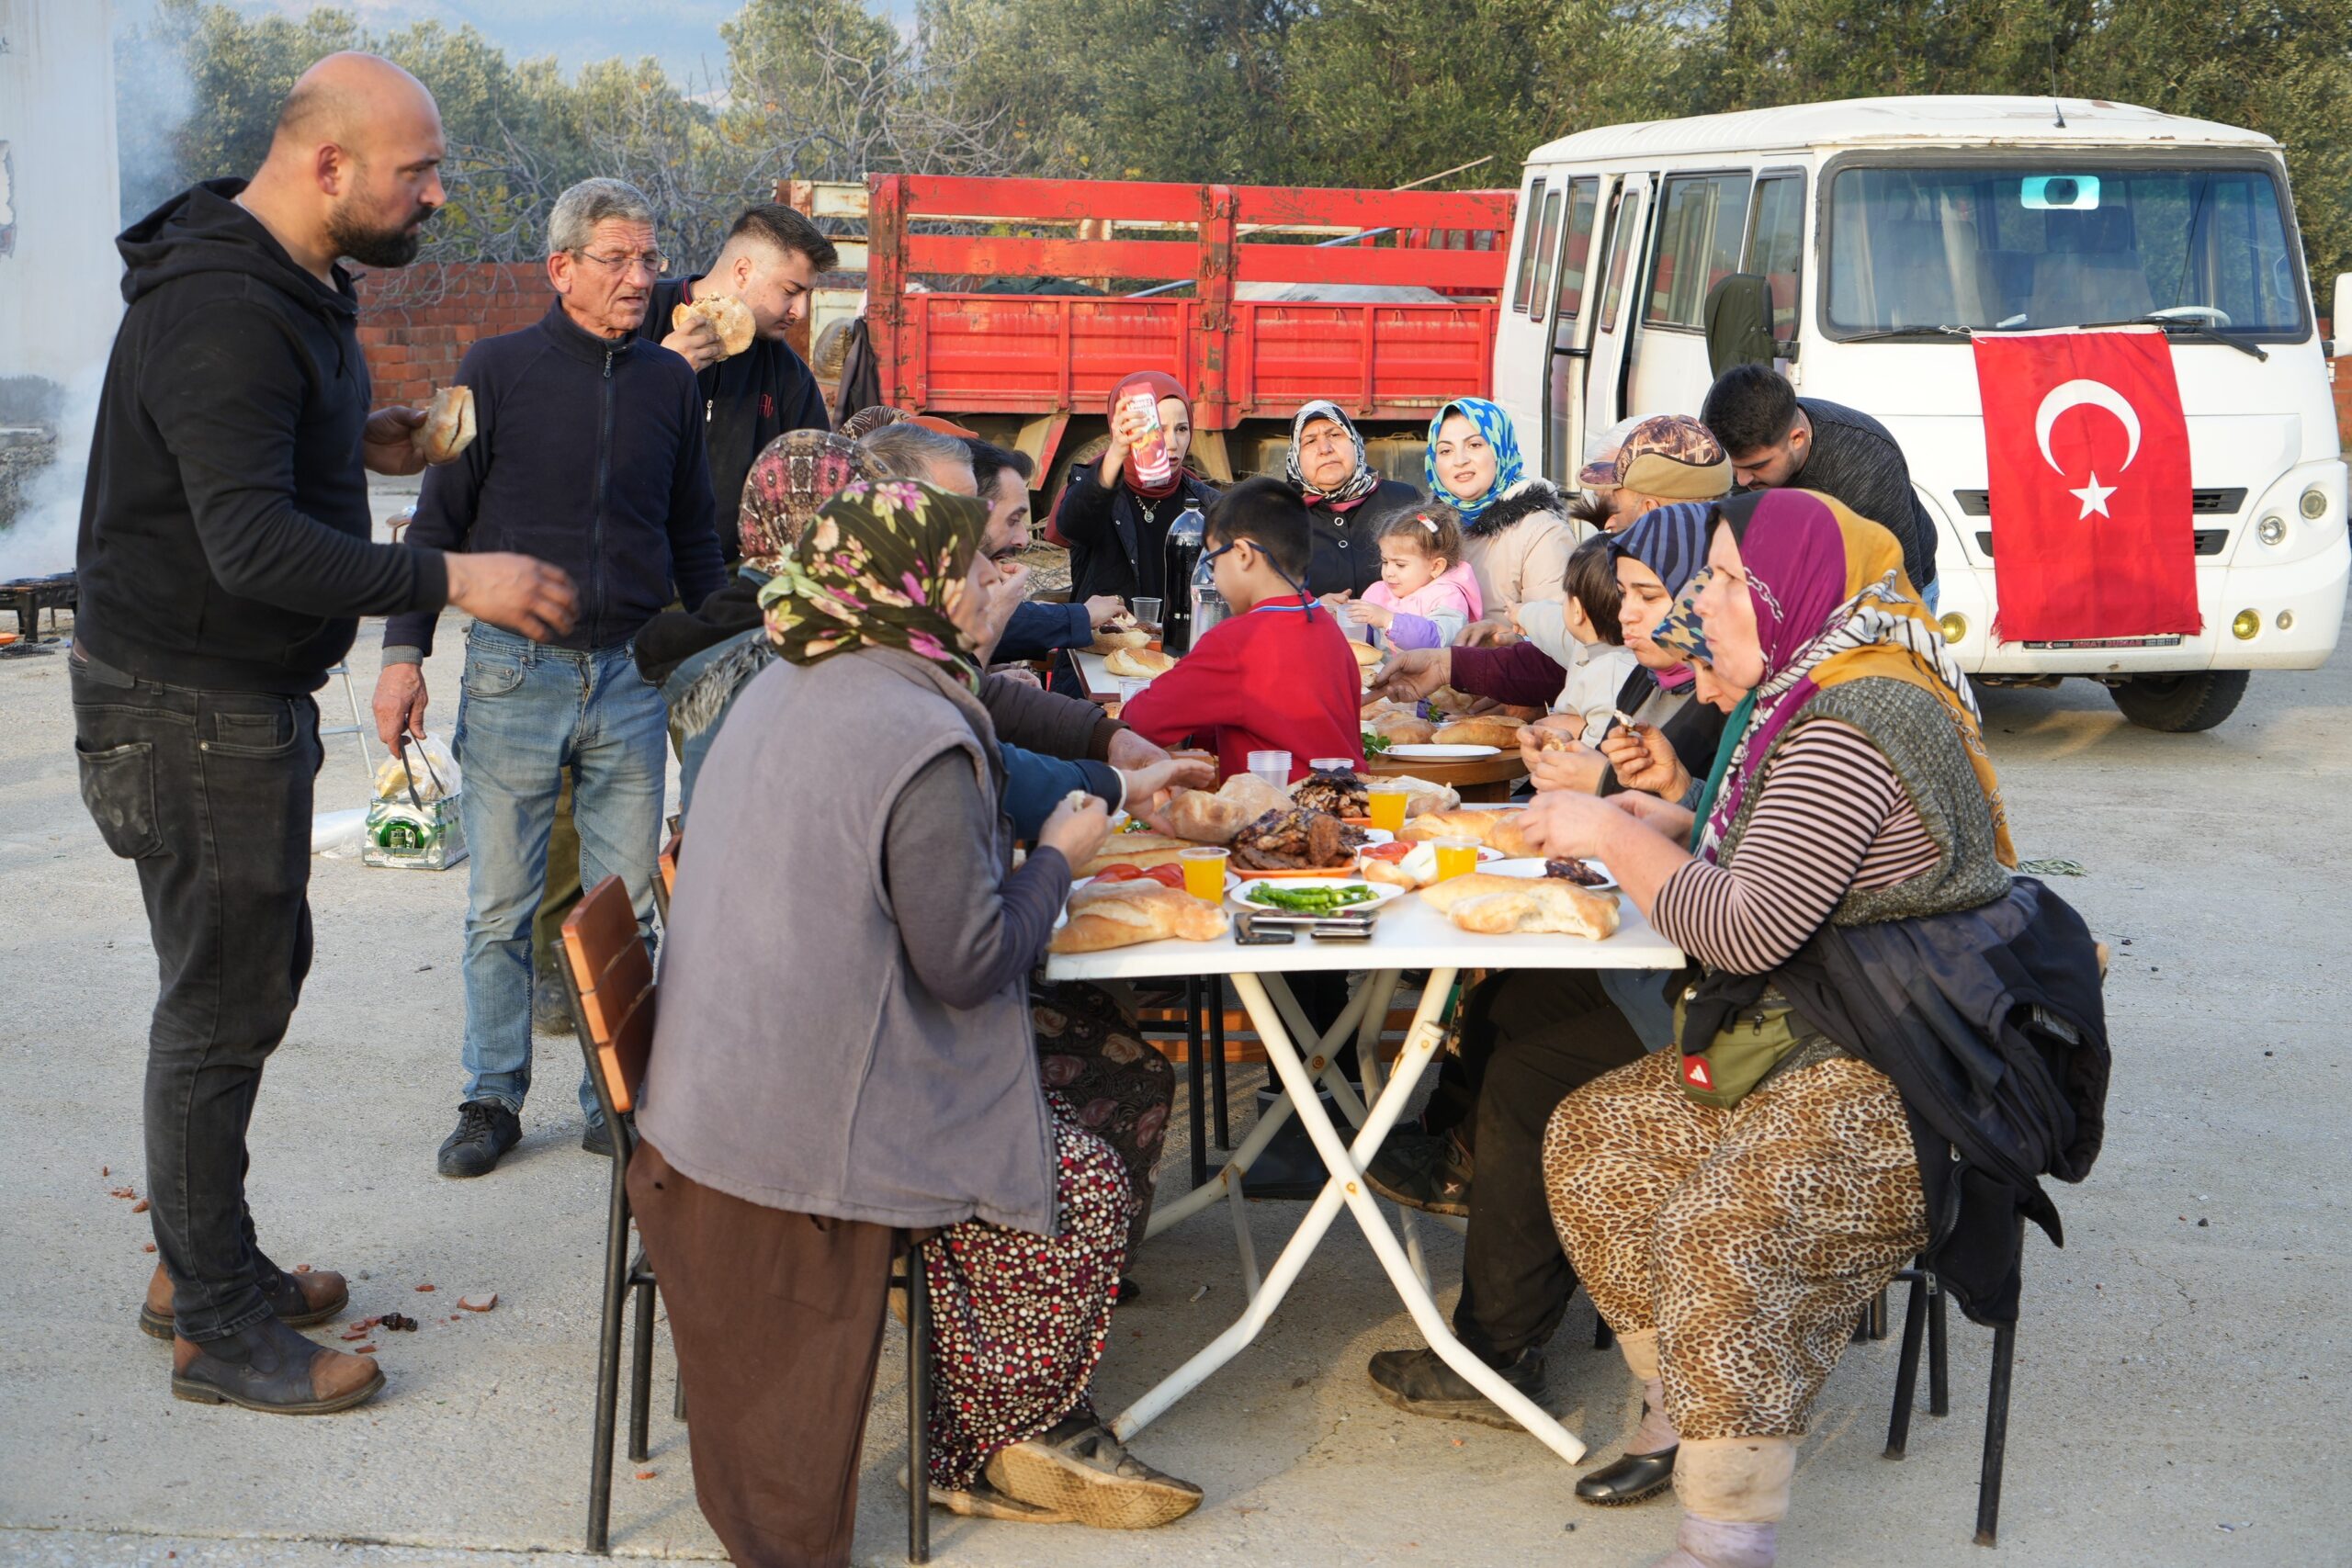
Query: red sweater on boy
point(1275, 680)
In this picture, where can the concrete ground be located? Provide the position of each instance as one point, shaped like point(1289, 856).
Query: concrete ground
point(2181, 1366)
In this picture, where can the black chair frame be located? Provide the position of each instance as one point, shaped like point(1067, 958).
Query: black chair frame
point(1925, 1317)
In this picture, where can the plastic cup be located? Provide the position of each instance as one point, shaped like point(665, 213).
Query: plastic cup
point(1131, 687)
point(1333, 764)
point(1272, 766)
point(1204, 873)
point(1146, 610)
point(1455, 857)
point(1388, 807)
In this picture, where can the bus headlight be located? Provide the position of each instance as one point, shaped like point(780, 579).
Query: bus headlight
point(2247, 622)
point(2270, 530)
point(1954, 626)
point(2314, 503)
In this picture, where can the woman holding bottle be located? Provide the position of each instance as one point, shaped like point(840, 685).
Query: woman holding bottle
point(1113, 516)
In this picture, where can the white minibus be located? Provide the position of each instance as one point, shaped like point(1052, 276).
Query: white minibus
point(1892, 231)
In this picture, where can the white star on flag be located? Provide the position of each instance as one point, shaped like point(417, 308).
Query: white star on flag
point(2094, 498)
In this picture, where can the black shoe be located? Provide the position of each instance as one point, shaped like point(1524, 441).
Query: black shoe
point(1288, 1169)
point(1419, 1382)
point(597, 1139)
point(1631, 1478)
point(486, 1130)
point(1428, 1171)
point(1128, 1291)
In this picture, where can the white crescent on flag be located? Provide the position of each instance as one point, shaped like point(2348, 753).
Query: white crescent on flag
point(2075, 394)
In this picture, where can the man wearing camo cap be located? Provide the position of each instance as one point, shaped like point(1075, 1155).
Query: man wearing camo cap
point(1664, 459)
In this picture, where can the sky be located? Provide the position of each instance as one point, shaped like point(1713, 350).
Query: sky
point(682, 34)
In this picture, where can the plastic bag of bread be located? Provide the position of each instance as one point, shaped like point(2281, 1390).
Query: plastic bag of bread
point(1427, 796)
point(1104, 915)
point(1208, 818)
point(1501, 905)
point(728, 317)
point(1141, 663)
point(437, 774)
point(1500, 733)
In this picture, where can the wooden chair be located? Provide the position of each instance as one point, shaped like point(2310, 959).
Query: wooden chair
point(610, 978)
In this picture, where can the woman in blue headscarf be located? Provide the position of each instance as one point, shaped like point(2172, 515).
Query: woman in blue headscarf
point(1515, 529)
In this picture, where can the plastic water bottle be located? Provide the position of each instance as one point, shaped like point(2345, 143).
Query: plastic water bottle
point(1208, 605)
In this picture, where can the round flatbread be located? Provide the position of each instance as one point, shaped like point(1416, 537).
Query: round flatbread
point(729, 316)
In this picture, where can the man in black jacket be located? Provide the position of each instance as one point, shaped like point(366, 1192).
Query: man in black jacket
point(225, 557)
point(591, 453)
point(770, 262)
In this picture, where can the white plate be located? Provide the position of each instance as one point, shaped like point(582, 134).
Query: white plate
point(1427, 752)
point(1533, 870)
point(1232, 883)
point(1383, 893)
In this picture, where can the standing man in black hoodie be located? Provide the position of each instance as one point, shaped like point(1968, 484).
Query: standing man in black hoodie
point(224, 558)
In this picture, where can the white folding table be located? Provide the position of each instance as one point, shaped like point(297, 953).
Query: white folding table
point(1410, 934)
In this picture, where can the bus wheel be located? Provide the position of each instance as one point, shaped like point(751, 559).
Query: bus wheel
point(2181, 705)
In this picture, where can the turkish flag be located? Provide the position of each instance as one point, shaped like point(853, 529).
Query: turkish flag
point(2088, 458)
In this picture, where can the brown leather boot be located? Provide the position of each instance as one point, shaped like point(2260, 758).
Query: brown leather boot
point(271, 1369)
point(300, 1301)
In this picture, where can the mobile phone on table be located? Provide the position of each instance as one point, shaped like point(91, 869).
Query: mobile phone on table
point(1252, 934)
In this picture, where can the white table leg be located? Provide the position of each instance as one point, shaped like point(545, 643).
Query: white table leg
point(1345, 1187)
point(1368, 1060)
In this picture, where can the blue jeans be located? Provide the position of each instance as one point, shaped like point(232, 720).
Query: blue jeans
point(527, 712)
point(1930, 595)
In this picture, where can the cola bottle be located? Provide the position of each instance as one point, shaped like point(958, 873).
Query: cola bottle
point(1181, 557)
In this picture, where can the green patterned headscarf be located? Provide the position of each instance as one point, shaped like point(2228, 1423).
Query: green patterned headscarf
point(883, 566)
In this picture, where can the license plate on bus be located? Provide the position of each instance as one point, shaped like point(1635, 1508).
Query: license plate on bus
point(2114, 642)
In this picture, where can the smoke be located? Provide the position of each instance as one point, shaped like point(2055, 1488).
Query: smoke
point(152, 99)
point(41, 539)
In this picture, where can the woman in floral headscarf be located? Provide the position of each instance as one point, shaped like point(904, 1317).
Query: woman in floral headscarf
point(700, 658)
point(1733, 1203)
point(1515, 529)
point(843, 1055)
point(1346, 498)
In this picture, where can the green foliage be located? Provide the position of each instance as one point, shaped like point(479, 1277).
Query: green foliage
point(1282, 91)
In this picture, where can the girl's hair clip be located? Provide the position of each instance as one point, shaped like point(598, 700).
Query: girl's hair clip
point(1424, 520)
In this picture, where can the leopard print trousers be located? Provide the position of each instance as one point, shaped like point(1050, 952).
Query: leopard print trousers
point(1749, 1239)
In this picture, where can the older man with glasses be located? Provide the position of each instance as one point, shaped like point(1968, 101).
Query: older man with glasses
point(591, 456)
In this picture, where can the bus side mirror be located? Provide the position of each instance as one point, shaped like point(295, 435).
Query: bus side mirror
point(2340, 323)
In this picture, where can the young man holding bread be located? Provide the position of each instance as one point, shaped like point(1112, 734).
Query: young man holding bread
point(591, 452)
point(224, 561)
point(731, 323)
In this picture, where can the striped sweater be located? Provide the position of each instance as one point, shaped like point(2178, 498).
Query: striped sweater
point(1829, 816)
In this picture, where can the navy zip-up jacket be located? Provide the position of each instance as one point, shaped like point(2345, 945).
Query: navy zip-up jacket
point(588, 453)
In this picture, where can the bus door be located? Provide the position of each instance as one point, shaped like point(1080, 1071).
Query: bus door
point(1612, 330)
point(1568, 332)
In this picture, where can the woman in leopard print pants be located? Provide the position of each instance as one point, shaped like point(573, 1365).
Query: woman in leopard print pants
point(1733, 1204)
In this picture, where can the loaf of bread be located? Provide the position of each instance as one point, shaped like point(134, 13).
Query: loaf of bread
point(448, 427)
point(1499, 829)
point(1208, 818)
point(1500, 733)
point(1110, 639)
point(1141, 663)
point(1104, 915)
point(1506, 832)
point(1500, 906)
point(1143, 851)
point(1400, 727)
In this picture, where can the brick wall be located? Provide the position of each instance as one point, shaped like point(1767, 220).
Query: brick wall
point(416, 324)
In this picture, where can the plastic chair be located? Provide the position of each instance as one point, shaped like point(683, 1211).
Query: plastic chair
point(609, 976)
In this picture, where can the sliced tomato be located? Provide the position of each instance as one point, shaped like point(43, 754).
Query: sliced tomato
point(1167, 875)
point(1395, 850)
point(1122, 872)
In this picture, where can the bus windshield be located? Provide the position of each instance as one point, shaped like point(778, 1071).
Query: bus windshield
point(2024, 245)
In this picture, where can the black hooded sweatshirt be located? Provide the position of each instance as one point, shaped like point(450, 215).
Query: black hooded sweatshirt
point(225, 529)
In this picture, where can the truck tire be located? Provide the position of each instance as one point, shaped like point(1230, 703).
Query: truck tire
point(2181, 705)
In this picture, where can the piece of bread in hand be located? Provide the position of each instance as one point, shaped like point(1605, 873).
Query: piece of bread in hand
point(728, 317)
point(1506, 832)
point(1500, 733)
point(1215, 818)
point(1140, 662)
point(448, 427)
point(1446, 699)
point(1104, 915)
point(1367, 656)
point(1110, 639)
point(1499, 906)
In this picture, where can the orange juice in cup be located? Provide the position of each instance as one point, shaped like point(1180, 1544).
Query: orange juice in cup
point(1455, 857)
point(1388, 807)
point(1204, 873)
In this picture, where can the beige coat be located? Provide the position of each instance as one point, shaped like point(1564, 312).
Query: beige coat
point(1527, 558)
